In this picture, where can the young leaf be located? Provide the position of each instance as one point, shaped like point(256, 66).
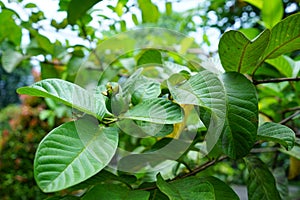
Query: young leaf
point(72, 153)
point(272, 12)
point(284, 38)
point(78, 8)
point(240, 129)
point(161, 111)
point(115, 192)
point(261, 183)
point(69, 94)
point(281, 134)
point(188, 188)
point(238, 53)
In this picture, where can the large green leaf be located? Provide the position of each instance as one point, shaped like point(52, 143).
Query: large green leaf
point(161, 111)
point(233, 105)
point(69, 94)
point(272, 12)
point(281, 134)
point(285, 37)
point(283, 64)
point(204, 89)
point(72, 153)
point(261, 183)
point(221, 190)
point(78, 8)
point(188, 188)
point(238, 53)
point(240, 129)
point(11, 59)
point(115, 192)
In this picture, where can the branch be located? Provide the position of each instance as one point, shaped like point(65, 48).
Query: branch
point(200, 168)
point(291, 109)
point(275, 80)
point(289, 118)
point(192, 173)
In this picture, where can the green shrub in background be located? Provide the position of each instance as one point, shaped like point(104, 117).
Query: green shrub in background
point(21, 130)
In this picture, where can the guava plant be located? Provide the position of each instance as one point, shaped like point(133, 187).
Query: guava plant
point(170, 117)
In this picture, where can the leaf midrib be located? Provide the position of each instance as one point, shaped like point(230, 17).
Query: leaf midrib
point(283, 44)
point(76, 157)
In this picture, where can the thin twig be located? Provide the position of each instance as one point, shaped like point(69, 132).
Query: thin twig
point(289, 118)
point(200, 168)
point(291, 109)
point(263, 150)
point(192, 173)
point(275, 80)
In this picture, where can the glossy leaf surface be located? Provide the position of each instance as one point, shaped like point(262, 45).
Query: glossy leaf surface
point(238, 53)
point(261, 183)
point(69, 94)
point(283, 135)
point(72, 153)
point(161, 111)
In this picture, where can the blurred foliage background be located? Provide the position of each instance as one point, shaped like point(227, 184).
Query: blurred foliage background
point(36, 44)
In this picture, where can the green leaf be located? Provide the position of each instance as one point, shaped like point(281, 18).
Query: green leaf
point(135, 19)
point(187, 188)
point(283, 64)
point(115, 192)
point(150, 12)
point(233, 107)
point(161, 111)
point(145, 89)
point(72, 153)
point(185, 44)
point(294, 152)
point(119, 7)
point(105, 176)
point(8, 27)
point(221, 190)
point(272, 12)
point(240, 129)
point(256, 3)
point(168, 8)
point(281, 134)
point(238, 53)
point(261, 183)
point(43, 42)
point(206, 90)
point(142, 129)
point(69, 94)
point(282, 182)
point(11, 59)
point(150, 57)
point(285, 37)
point(78, 8)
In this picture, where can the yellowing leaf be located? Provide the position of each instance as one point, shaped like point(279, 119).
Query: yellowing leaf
point(178, 127)
point(294, 169)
